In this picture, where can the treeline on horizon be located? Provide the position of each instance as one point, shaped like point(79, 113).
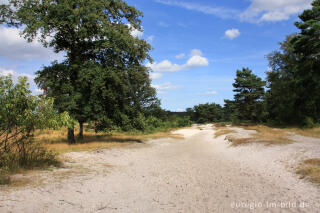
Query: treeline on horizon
point(290, 94)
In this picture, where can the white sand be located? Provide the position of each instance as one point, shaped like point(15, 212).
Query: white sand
point(197, 174)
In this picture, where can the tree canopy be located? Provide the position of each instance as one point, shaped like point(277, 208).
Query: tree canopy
point(206, 113)
point(294, 78)
point(248, 98)
point(103, 78)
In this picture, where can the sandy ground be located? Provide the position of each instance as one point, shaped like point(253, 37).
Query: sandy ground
point(197, 174)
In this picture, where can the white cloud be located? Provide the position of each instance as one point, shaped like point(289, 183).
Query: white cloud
point(6, 72)
point(166, 86)
point(195, 52)
point(258, 10)
point(208, 93)
point(217, 11)
point(15, 76)
point(274, 10)
point(232, 33)
point(165, 66)
point(155, 75)
point(180, 56)
point(135, 32)
point(17, 48)
point(195, 60)
point(162, 88)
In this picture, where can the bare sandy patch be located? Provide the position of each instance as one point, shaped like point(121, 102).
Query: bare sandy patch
point(197, 174)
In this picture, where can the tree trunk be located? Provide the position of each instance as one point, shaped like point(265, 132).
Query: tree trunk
point(71, 139)
point(81, 131)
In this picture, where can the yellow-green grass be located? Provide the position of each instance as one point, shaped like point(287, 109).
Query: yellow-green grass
point(264, 134)
point(56, 140)
point(223, 131)
point(310, 169)
point(313, 132)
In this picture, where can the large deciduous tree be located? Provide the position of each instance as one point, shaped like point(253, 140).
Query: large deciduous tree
point(102, 78)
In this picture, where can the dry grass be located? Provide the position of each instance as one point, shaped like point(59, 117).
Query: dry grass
point(264, 134)
point(56, 140)
point(65, 148)
point(314, 132)
point(310, 169)
point(223, 131)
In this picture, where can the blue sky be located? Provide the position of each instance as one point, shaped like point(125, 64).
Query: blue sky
point(197, 45)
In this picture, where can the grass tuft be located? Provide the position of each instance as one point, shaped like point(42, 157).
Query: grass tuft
point(310, 169)
point(4, 178)
point(264, 134)
point(312, 132)
point(223, 131)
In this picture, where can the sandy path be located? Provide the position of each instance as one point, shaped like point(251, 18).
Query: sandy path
point(197, 174)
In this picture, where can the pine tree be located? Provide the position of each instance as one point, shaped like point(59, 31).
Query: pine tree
point(306, 45)
point(248, 100)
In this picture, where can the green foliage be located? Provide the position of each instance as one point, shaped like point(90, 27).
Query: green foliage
point(206, 113)
point(306, 45)
point(103, 78)
point(307, 42)
point(281, 98)
point(21, 114)
point(308, 123)
point(152, 124)
point(248, 103)
point(294, 79)
point(228, 110)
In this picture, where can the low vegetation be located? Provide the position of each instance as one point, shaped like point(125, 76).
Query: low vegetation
point(311, 132)
point(263, 134)
point(55, 140)
point(33, 133)
point(310, 169)
point(21, 115)
point(223, 131)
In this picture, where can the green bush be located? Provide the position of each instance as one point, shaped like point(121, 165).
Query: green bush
point(139, 122)
point(21, 114)
point(154, 123)
point(308, 123)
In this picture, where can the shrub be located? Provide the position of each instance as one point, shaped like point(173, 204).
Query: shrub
point(21, 114)
point(153, 122)
point(139, 122)
point(308, 123)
